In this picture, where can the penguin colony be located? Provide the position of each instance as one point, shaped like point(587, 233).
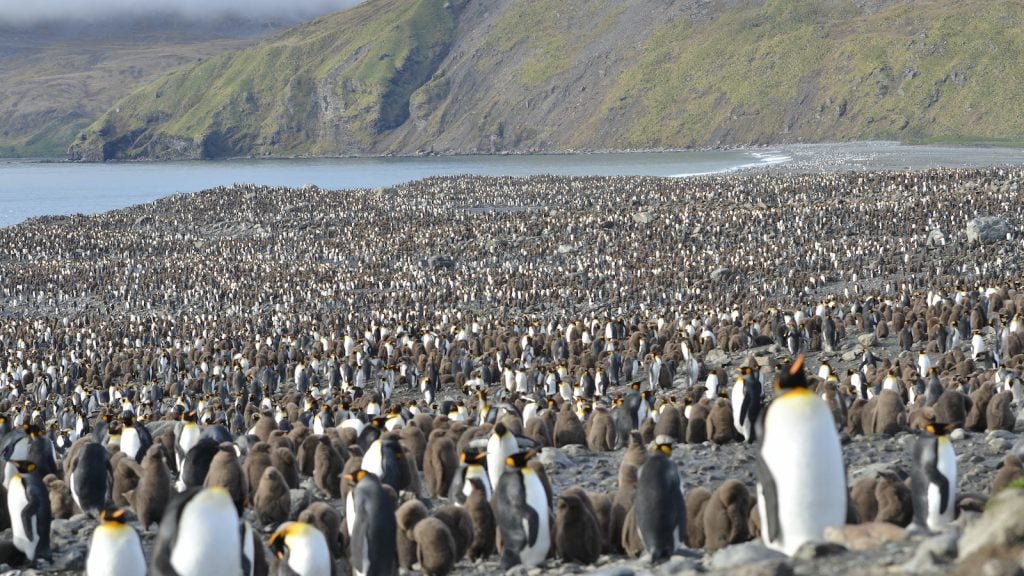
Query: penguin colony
point(181, 372)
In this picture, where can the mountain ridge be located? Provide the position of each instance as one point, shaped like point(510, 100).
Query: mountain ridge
point(435, 76)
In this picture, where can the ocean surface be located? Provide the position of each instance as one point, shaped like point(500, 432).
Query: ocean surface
point(40, 188)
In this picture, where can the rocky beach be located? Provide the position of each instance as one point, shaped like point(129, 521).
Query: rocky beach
point(240, 301)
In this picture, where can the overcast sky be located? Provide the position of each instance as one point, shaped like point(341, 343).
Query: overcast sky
point(34, 11)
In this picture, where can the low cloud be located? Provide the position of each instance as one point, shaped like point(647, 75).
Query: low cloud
point(19, 12)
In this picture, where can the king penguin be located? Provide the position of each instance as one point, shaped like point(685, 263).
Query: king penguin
point(302, 550)
point(500, 445)
point(933, 479)
point(473, 465)
point(370, 516)
point(660, 507)
point(91, 479)
point(28, 504)
point(801, 486)
point(746, 404)
point(115, 548)
point(135, 438)
point(522, 513)
point(199, 534)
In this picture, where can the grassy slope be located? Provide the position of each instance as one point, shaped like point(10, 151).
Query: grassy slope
point(747, 71)
point(54, 83)
point(281, 95)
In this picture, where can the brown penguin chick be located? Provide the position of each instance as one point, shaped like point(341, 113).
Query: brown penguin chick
point(460, 524)
point(632, 544)
point(895, 503)
point(888, 415)
point(754, 523)
point(284, 460)
point(264, 426)
point(601, 432)
point(863, 500)
point(636, 452)
point(167, 440)
point(439, 464)
point(415, 440)
point(622, 504)
point(726, 515)
point(647, 430)
point(603, 510)
point(951, 407)
point(305, 456)
point(424, 422)
point(568, 429)
point(577, 533)
point(719, 424)
point(696, 500)
point(999, 413)
point(435, 547)
point(1010, 469)
point(226, 472)
point(537, 429)
point(280, 439)
point(407, 516)
point(154, 488)
point(484, 524)
point(352, 465)
point(696, 425)
point(256, 462)
point(327, 520)
point(327, 469)
point(125, 479)
point(271, 503)
point(515, 425)
point(670, 424)
point(977, 416)
point(855, 417)
point(920, 418)
point(62, 505)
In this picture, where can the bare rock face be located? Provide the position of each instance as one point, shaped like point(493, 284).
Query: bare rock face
point(986, 229)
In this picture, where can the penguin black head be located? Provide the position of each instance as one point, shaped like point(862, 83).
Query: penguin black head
point(500, 429)
point(379, 421)
point(519, 459)
point(793, 376)
point(941, 428)
point(473, 457)
point(113, 515)
point(277, 546)
point(24, 466)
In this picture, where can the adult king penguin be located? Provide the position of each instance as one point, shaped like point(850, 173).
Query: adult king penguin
point(522, 512)
point(302, 550)
point(370, 515)
point(659, 507)
point(801, 486)
point(28, 504)
point(199, 534)
point(933, 479)
point(115, 548)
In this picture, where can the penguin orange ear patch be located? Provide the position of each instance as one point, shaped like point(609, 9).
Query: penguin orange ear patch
point(797, 365)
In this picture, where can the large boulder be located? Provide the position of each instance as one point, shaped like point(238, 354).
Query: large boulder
point(987, 229)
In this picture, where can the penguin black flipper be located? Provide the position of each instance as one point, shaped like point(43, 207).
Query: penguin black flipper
point(771, 499)
point(936, 477)
point(167, 534)
point(532, 524)
point(29, 511)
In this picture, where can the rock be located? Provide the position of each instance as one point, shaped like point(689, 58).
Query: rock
point(746, 553)
point(1002, 524)
point(811, 550)
point(716, 357)
point(721, 274)
point(299, 501)
point(555, 457)
point(850, 355)
point(867, 340)
point(864, 536)
point(986, 229)
point(958, 434)
point(932, 552)
point(565, 248)
point(936, 238)
point(441, 261)
point(643, 217)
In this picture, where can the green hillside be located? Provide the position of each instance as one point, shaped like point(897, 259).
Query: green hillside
point(413, 76)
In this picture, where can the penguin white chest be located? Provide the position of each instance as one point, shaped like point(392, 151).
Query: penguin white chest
point(130, 442)
point(946, 465)
point(115, 551)
point(208, 539)
point(17, 500)
point(802, 453)
point(536, 498)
